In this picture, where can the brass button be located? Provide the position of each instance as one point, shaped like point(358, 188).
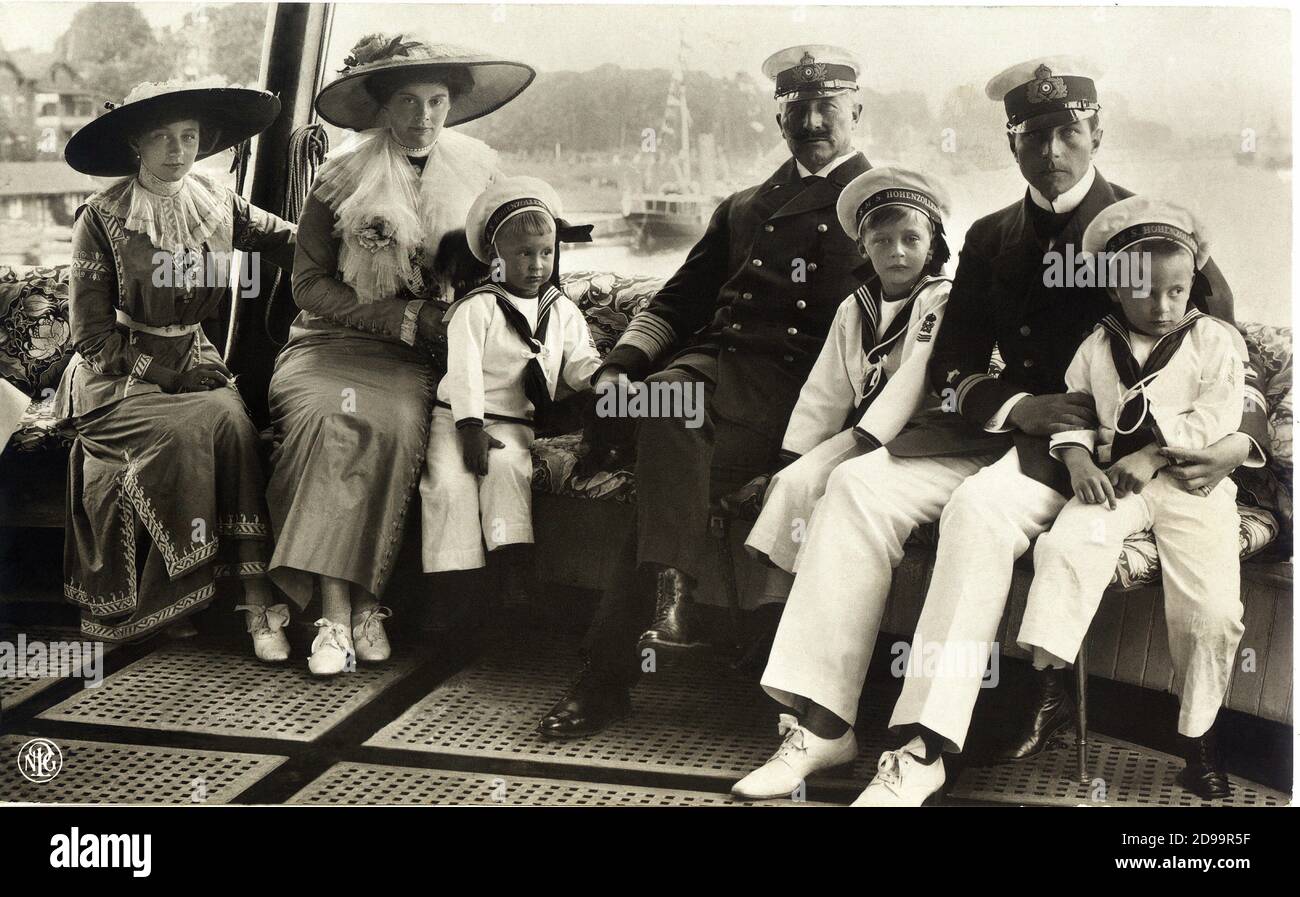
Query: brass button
point(801, 304)
point(821, 228)
point(746, 295)
point(758, 263)
point(812, 266)
point(789, 358)
point(1024, 330)
point(735, 326)
point(731, 348)
point(792, 330)
point(1028, 362)
point(769, 228)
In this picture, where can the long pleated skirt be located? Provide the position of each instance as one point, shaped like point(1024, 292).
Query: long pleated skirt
point(351, 418)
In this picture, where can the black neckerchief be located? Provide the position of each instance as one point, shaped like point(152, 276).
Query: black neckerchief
point(876, 351)
point(1135, 415)
point(535, 386)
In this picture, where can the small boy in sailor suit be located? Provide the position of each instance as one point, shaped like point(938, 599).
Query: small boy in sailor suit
point(870, 377)
point(509, 342)
point(1162, 375)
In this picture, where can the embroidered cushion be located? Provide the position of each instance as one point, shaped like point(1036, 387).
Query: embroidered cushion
point(36, 430)
point(35, 338)
point(553, 461)
point(609, 301)
point(1271, 487)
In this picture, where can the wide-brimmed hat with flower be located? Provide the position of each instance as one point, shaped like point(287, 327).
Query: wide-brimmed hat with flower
point(347, 102)
point(227, 115)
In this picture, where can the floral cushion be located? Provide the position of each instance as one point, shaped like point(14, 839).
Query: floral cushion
point(609, 301)
point(35, 342)
point(37, 431)
point(553, 461)
point(1271, 487)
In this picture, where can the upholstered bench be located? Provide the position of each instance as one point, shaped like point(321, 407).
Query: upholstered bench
point(581, 520)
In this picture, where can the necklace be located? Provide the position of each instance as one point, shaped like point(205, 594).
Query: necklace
point(416, 152)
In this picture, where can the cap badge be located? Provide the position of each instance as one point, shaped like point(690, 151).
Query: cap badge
point(1045, 87)
point(810, 69)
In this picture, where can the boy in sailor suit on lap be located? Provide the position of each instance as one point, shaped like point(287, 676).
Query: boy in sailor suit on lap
point(1162, 375)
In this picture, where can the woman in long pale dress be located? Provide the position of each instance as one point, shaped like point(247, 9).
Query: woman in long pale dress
point(353, 390)
point(166, 489)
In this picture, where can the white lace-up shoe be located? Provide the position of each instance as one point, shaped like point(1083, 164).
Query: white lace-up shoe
point(800, 755)
point(266, 626)
point(902, 780)
point(368, 636)
point(331, 652)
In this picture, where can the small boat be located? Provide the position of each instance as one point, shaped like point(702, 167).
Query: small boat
point(679, 210)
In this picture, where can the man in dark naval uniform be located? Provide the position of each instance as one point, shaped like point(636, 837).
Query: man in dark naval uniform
point(979, 465)
point(742, 321)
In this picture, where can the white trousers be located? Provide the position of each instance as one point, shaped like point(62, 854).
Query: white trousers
point(988, 523)
point(782, 529)
point(855, 539)
point(460, 510)
point(1197, 538)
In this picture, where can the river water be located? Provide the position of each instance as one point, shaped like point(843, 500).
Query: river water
point(1245, 211)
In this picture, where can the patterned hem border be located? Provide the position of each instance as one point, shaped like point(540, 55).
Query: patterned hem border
point(246, 570)
point(102, 605)
point(139, 627)
point(177, 564)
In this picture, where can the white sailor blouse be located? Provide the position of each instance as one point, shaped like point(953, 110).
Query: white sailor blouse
point(489, 361)
point(1187, 392)
point(867, 377)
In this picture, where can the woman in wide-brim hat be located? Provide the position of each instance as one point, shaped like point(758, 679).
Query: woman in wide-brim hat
point(353, 390)
point(166, 492)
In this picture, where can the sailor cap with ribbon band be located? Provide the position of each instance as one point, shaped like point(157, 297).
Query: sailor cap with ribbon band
point(890, 185)
point(1046, 92)
point(1123, 225)
point(812, 70)
point(503, 200)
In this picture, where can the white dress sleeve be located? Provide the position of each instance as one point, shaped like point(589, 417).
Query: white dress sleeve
point(466, 339)
point(1078, 378)
point(1219, 394)
point(580, 356)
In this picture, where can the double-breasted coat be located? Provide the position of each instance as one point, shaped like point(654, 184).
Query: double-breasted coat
point(760, 290)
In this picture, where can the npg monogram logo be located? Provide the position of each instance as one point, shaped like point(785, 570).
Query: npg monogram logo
point(40, 760)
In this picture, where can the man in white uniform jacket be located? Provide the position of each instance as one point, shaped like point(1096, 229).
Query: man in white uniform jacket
point(870, 377)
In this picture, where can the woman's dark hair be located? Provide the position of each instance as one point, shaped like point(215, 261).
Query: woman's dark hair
point(209, 133)
point(382, 85)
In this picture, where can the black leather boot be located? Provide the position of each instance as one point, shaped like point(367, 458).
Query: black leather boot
point(1051, 718)
point(592, 703)
point(1204, 774)
point(671, 630)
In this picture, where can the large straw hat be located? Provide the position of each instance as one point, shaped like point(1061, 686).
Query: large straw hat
point(228, 116)
point(347, 103)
